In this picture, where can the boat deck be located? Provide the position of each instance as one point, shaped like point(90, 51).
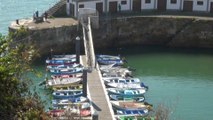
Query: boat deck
point(97, 94)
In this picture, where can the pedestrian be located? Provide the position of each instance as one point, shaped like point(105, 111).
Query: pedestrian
point(119, 7)
point(45, 16)
point(36, 14)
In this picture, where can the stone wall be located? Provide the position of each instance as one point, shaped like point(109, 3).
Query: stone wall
point(121, 32)
point(166, 31)
point(59, 39)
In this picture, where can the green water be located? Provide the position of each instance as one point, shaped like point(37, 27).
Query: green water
point(181, 79)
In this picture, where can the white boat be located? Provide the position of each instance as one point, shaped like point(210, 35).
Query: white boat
point(127, 92)
point(127, 85)
point(108, 59)
point(63, 81)
point(59, 67)
point(62, 57)
point(121, 80)
point(77, 75)
point(69, 101)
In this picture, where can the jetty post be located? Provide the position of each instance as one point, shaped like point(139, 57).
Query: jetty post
point(85, 82)
point(77, 49)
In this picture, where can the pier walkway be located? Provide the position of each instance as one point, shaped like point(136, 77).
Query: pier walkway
point(98, 94)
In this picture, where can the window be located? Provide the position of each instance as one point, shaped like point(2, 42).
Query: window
point(147, 1)
point(81, 6)
point(173, 1)
point(199, 2)
point(123, 2)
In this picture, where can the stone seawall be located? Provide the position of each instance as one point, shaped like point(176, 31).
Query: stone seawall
point(165, 31)
point(132, 31)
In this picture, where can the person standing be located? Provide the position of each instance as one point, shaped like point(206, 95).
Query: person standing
point(45, 16)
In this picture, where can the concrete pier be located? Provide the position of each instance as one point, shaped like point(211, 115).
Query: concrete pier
point(98, 95)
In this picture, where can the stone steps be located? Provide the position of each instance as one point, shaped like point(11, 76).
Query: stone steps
point(56, 7)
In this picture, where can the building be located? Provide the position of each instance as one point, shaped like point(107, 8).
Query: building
point(113, 6)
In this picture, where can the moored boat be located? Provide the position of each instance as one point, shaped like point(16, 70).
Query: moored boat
point(61, 62)
point(75, 100)
point(68, 87)
point(59, 67)
point(127, 85)
point(63, 56)
point(108, 59)
point(60, 82)
point(121, 80)
point(76, 75)
point(67, 94)
point(127, 98)
point(66, 71)
point(126, 92)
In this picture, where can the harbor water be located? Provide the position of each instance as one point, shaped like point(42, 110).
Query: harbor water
point(181, 79)
point(10, 10)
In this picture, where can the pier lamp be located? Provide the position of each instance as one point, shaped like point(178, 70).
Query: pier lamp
point(77, 49)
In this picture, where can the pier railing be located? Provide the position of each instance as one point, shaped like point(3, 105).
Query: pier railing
point(85, 20)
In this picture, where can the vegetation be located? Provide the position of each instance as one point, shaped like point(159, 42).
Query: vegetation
point(17, 102)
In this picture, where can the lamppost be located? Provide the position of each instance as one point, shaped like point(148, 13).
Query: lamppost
point(77, 49)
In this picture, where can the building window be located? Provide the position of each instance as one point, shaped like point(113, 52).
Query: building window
point(123, 2)
point(147, 1)
point(81, 6)
point(173, 1)
point(199, 2)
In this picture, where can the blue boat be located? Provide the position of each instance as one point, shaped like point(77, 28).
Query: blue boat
point(108, 59)
point(66, 71)
point(67, 94)
point(61, 62)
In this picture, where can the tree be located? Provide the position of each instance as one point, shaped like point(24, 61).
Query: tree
point(16, 101)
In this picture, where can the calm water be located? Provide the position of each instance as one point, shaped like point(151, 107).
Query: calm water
point(11, 10)
point(180, 79)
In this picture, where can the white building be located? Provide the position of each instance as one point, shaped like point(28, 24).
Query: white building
point(113, 6)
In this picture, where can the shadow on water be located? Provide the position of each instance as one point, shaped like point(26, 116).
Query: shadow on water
point(146, 49)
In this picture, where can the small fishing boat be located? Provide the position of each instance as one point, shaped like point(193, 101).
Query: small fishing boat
point(127, 98)
point(59, 67)
point(127, 85)
point(72, 106)
point(69, 101)
point(112, 75)
point(130, 105)
point(55, 113)
point(67, 94)
point(60, 82)
point(79, 111)
point(108, 59)
point(130, 108)
point(132, 117)
point(126, 92)
point(76, 75)
point(61, 62)
point(58, 57)
point(120, 80)
point(66, 71)
point(68, 87)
